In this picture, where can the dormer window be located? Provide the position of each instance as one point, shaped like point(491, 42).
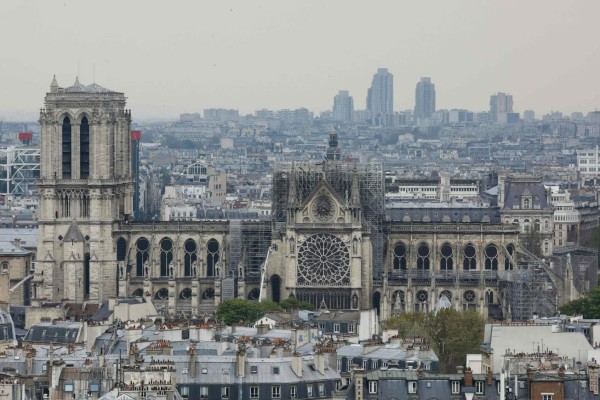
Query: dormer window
point(412, 387)
point(479, 387)
point(455, 387)
point(526, 203)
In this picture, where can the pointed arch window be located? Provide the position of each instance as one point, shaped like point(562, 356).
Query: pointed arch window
point(66, 148)
point(84, 149)
point(447, 258)
point(189, 258)
point(141, 255)
point(491, 257)
point(400, 257)
point(212, 256)
point(423, 256)
point(166, 256)
point(470, 258)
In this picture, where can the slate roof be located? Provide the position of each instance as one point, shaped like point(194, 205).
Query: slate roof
point(340, 316)
point(514, 190)
point(444, 214)
point(61, 333)
point(29, 237)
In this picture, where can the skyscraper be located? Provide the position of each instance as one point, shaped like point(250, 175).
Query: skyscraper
point(380, 98)
point(424, 99)
point(501, 104)
point(343, 106)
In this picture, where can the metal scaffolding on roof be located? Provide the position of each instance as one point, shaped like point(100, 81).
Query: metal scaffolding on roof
point(19, 170)
point(339, 176)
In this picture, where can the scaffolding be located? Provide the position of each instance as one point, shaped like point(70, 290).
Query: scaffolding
point(255, 240)
point(19, 170)
point(339, 176)
point(529, 288)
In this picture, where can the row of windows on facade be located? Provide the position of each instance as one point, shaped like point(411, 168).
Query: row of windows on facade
point(422, 296)
point(367, 364)
point(446, 257)
point(142, 255)
point(254, 391)
point(455, 387)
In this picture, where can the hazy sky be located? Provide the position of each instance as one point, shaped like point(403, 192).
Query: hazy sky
point(170, 57)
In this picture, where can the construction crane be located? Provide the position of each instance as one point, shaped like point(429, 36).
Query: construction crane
point(263, 274)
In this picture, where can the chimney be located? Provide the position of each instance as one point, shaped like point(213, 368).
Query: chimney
point(241, 361)
point(320, 362)
point(17, 242)
point(262, 329)
point(593, 372)
point(459, 369)
point(359, 384)
point(273, 354)
point(490, 378)
point(468, 377)
point(293, 338)
point(420, 372)
point(297, 364)
point(561, 372)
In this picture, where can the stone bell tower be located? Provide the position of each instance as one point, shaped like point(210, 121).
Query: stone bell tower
point(86, 188)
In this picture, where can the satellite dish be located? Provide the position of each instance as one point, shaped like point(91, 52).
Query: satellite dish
point(15, 343)
point(120, 333)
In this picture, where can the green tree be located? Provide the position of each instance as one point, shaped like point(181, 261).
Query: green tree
point(589, 307)
point(244, 311)
point(291, 303)
point(452, 334)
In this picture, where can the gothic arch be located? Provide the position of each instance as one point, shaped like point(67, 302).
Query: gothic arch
point(469, 257)
point(142, 254)
point(446, 257)
point(189, 257)
point(377, 302)
point(491, 257)
point(66, 142)
point(276, 288)
point(166, 255)
point(423, 256)
point(399, 255)
point(212, 256)
point(121, 249)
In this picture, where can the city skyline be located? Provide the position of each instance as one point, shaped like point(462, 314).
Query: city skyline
point(248, 57)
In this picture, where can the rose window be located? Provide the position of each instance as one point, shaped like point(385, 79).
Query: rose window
point(323, 260)
point(469, 296)
point(323, 208)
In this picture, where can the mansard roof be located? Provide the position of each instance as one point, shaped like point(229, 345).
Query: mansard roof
point(535, 189)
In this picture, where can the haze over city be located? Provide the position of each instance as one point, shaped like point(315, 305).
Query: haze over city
point(184, 57)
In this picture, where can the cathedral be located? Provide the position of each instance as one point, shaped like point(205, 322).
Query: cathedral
point(331, 241)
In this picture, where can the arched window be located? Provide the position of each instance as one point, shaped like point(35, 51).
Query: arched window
point(185, 294)
point(4, 266)
point(121, 249)
point(162, 294)
point(537, 225)
point(212, 256)
point(491, 257)
point(84, 149)
point(208, 294)
point(423, 256)
point(469, 257)
point(66, 148)
point(399, 256)
point(527, 203)
point(189, 258)
point(526, 225)
point(141, 256)
point(421, 298)
point(510, 249)
point(447, 257)
point(447, 294)
point(166, 256)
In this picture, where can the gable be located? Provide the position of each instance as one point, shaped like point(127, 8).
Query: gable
point(323, 206)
